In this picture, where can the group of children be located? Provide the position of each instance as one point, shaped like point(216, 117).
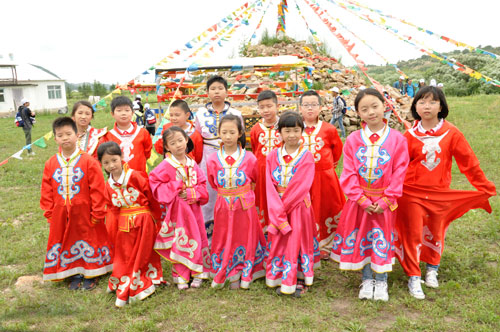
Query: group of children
point(274, 212)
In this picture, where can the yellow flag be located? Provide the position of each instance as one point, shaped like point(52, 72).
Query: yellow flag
point(48, 135)
point(153, 158)
point(308, 50)
point(117, 91)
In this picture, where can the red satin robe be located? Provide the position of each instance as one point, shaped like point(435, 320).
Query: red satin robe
point(197, 153)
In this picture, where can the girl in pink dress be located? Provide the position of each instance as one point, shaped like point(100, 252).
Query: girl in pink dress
point(375, 163)
point(238, 244)
point(180, 185)
point(293, 248)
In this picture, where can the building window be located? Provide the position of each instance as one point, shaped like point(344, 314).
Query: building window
point(54, 91)
point(2, 97)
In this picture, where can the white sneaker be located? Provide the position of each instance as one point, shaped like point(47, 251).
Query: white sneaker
point(415, 288)
point(366, 291)
point(32, 153)
point(381, 293)
point(431, 279)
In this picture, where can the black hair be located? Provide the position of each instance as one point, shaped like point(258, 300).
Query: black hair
point(290, 119)
point(437, 94)
point(182, 105)
point(121, 101)
point(63, 122)
point(241, 130)
point(310, 93)
point(267, 94)
point(170, 131)
point(214, 79)
point(82, 103)
point(111, 148)
point(369, 91)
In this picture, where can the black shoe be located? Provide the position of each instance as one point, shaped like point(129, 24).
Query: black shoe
point(75, 282)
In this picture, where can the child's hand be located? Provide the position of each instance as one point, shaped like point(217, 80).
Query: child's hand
point(377, 209)
point(370, 209)
point(183, 194)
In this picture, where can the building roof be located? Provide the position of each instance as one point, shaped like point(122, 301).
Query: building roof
point(30, 72)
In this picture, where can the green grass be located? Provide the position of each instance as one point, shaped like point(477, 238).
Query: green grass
point(468, 299)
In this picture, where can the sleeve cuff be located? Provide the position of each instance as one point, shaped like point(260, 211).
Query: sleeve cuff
point(385, 203)
point(364, 202)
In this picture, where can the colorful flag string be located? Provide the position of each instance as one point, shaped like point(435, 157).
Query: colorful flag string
point(254, 34)
point(431, 33)
point(282, 9)
point(366, 44)
point(432, 53)
point(345, 43)
point(39, 143)
point(313, 33)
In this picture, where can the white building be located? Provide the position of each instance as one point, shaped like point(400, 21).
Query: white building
point(44, 89)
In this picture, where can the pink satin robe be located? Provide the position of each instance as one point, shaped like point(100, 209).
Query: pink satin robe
point(293, 250)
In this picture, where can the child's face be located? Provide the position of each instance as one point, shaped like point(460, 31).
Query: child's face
point(217, 92)
point(371, 111)
point(123, 115)
point(428, 108)
point(112, 164)
point(66, 138)
point(291, 136)
point(229, 134)
point(176, 144)
point(310, 108)
point(178, 117)
point(83, 116)
point(268, 110)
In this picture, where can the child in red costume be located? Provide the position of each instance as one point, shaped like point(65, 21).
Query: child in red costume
point(264, 137)
point(428, 205)
point(137, 267)
point(73, 201)
point(179, 116)
point(323, 141)
point(134, 141)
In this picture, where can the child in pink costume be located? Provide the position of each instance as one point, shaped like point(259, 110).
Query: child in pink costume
point(180, 185)
point(293, 248)
point(375, 163)
point(238, 244)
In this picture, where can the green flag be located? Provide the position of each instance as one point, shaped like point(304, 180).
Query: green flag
point(40, 143)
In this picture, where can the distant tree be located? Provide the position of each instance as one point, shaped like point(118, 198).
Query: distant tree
point(98, 89)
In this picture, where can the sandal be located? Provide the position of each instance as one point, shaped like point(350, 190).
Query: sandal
point(196, 283)
point(301, 288)
point(89, 284)
point(75, 282)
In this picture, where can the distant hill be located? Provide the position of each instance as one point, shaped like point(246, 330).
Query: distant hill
point(455, 83)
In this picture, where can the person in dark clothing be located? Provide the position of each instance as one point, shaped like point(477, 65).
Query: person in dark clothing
point(28, 116)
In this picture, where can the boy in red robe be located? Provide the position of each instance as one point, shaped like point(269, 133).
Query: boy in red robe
point(74, 205)
point(323, 141)
point(179, 116)
point(264, 137)
point(134, 141)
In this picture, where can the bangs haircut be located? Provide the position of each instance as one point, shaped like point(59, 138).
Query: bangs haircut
point(172, 130)
point(437, 94)
point(241, 130)
point(82, 103)
point(370, 92)
point(290, 119)
point(266, 95)
point(214, 79)
point(121, 101)
point(63, 122)
point(310, 93)
point(111, 148)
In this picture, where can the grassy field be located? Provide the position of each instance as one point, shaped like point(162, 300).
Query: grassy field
point(467, 300)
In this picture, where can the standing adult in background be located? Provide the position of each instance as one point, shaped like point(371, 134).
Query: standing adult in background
point(339, 108)
point(138, 100)
point(410, 88)
point(433, 83)
point(421, 84)
point(27, 115)
point(400, 85)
